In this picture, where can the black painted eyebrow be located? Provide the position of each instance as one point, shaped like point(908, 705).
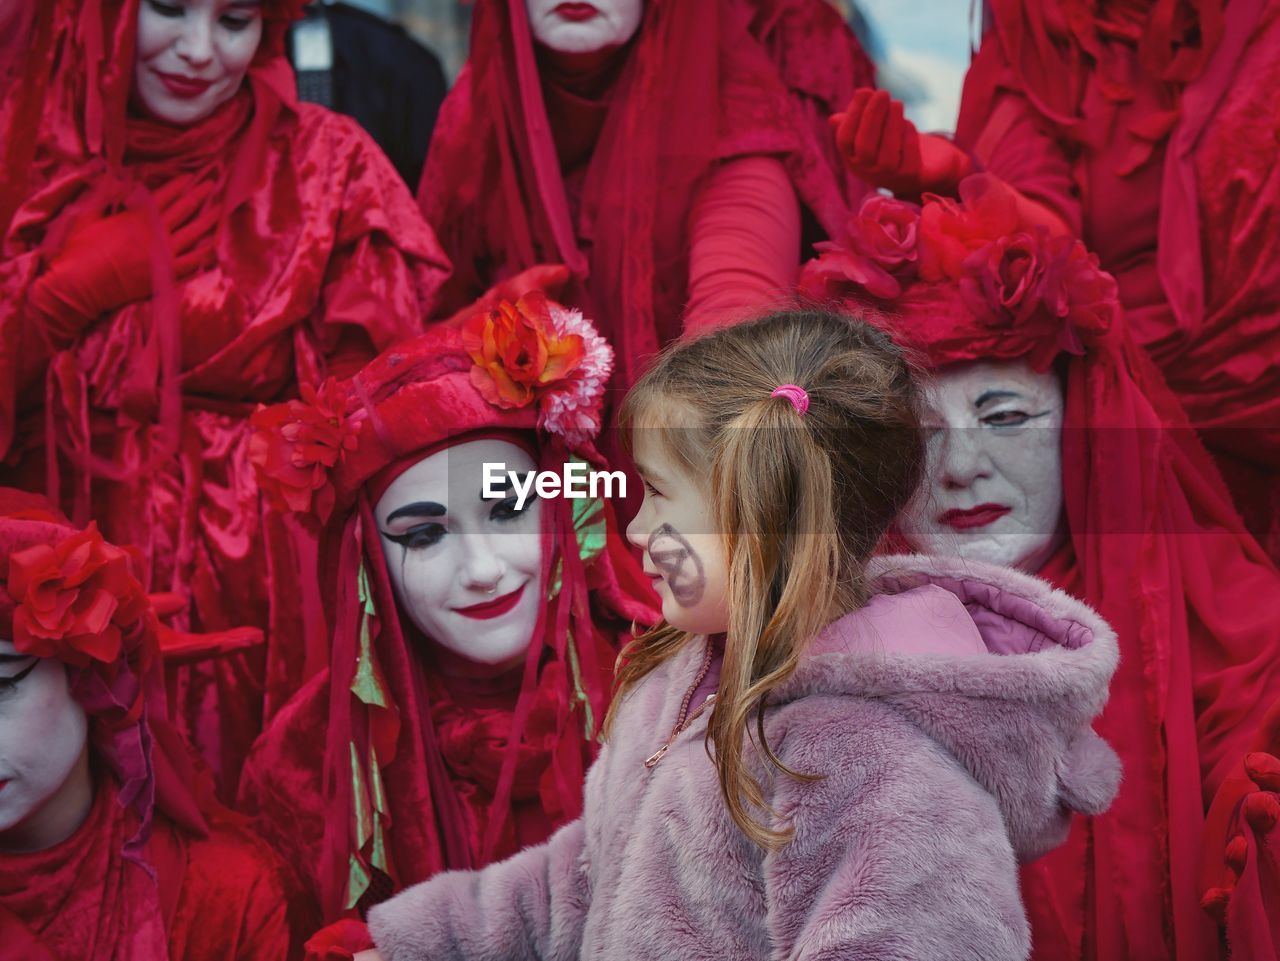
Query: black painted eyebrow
point(418, 509)
point(12, 658)
point(507, 485)
point(988, 396)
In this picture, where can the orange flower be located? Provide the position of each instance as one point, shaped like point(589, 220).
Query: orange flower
point(74, 600)
point(518, 352)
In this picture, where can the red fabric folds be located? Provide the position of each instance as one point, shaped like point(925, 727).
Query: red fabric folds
point(601, 173)
point(314, 258)
point(1150, 126)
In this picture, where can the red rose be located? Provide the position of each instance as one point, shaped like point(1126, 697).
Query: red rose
point(1002, 280)
point(75, 601)
point(518, 352)
point(950, 231)
point(1078, 292)
point(339, 941)
point(295, 445)
point(880, 255)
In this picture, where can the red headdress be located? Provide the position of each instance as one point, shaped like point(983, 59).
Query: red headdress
point(1155, 543)
point(524, 170)
point(390, 809)
point(69, 595)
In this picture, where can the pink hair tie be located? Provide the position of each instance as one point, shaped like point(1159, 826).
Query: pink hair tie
point(798, 396)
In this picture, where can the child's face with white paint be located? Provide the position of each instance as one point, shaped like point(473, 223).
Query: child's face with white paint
point(683, 549)
point(44, 773)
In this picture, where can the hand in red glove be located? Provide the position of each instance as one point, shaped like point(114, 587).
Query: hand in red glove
point(106, 263)
point(881, 146)
point(340, 941)
point(551, 279)
point(1251, 831)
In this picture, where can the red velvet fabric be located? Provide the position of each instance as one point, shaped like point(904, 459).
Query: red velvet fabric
point(1155, 546)
point(529, 166)
point(442, 771)
point(219, 897)
point(1150, 126)
point(318, 260)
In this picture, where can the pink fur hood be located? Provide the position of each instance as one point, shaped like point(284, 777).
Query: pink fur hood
point(949, 719)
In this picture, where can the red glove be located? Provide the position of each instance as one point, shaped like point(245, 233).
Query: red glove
point(340, 941)
point(551, 279)
point(106, 263)
point(881, 146)
point(1245, 870)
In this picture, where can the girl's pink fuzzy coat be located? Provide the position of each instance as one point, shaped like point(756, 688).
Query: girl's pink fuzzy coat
point(943, 765)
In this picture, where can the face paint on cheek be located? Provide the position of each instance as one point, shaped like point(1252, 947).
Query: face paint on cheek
point(679, 564)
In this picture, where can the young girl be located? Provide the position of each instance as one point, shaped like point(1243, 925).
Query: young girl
point(816, 755)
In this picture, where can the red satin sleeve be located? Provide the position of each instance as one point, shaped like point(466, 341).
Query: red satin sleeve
point(744, 251)
point(1002, 130)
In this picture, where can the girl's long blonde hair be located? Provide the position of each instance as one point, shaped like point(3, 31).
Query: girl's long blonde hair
point(801, 501)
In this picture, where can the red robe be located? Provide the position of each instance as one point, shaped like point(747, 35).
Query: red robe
point(1151, 129)
point(214, 898)
point(319, 259)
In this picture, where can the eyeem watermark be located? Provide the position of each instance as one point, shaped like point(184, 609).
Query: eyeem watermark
point(574, 481)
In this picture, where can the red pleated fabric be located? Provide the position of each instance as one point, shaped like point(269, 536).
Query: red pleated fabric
point(1155, 545)
point(1150, 127)
point(599, 173)
point(319, 260)
point(387, 767)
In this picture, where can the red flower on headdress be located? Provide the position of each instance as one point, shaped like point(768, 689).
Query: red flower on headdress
point(76, 600)
point(295, 446)
point(1001, 281)
point(880, 255)
point(518, 352)
point(951, 231)
point(339, 941)
point(1079, 292)
point(536, 351)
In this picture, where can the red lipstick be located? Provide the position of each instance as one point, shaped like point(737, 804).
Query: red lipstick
point(185, 87)
point(980, 516)
point(495, 608)
point(577, 12)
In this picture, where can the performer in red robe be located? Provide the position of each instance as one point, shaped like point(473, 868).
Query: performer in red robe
point(112, 847)
point(673, 155)
point(191, 241)
point(474, 633)
point(1146, 127)
point(1059, 449)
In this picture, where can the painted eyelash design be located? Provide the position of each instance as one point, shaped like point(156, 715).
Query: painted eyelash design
point(9, 683)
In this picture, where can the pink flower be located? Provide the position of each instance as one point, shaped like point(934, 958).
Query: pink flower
point(295, 446)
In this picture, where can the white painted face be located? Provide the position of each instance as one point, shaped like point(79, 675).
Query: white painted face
point(45, 791)
point(994, 491)
point(192, 55)
point(466, 570)
point(586, 27)
point(683, 549)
